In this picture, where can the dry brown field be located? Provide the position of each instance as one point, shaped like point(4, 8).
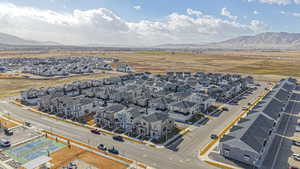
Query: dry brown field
point(266, 66)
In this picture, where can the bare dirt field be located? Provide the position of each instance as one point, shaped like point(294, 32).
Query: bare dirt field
point(68, 154)
point(263, 65)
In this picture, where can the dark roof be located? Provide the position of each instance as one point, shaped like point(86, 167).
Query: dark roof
point(184, 104)
point(295, 96)
point(282, 95)
point(273, 108)
point(293, 107)
point(257, 132)
point(114, 108)
point(288, 86)
point(156, 117)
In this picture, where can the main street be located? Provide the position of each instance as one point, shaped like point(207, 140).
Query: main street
point(181, 156)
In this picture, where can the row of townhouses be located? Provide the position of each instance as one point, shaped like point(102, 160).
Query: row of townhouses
point(141, 103)
point(60, 66)
point(250, 139)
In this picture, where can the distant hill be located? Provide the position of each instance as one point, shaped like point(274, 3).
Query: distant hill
point(268, 40)
point(184, 45)
point(6, 39)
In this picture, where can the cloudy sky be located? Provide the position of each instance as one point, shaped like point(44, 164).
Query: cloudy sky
point(145, 22)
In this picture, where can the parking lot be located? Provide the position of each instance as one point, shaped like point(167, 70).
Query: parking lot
point(20, 134)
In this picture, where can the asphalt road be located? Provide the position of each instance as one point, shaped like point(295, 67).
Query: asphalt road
point(181, 154)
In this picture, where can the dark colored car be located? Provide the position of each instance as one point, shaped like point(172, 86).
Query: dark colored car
point(113, 151)
point(95, 131)
point(102, 147)
point(8, 132)
point(213, 136)
point(118, 138)
point(293, 167)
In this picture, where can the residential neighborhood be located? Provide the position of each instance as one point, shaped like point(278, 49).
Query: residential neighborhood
point(61, 67)
point(141, 104)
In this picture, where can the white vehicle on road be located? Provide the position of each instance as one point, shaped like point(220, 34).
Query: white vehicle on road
point(4, 143)
point(297, 143)
point(296, 157)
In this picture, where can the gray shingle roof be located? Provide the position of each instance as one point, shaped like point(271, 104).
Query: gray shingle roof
point(156, 117)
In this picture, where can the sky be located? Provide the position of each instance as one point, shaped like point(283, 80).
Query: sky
point(145, 22)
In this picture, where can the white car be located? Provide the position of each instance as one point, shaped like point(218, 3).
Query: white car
point(297, 128)
point(296, 157)
point(297, 143)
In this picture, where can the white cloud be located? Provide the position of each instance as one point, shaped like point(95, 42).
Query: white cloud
point(190, 11)
point(279, 2)
point(137, 7)
point(255, 12)
point(290, 13)
point(296, 14)
point(227, 13)
point(105, 27)
point(282, 12)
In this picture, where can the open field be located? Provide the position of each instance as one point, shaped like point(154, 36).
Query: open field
point(267, 66)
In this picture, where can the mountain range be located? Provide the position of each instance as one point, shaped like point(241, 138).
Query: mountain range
point(7, 39)
point(267, 40)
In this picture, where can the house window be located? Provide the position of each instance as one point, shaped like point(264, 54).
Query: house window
point(246, 157)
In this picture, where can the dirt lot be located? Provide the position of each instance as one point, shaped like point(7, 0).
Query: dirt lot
point(267, 66)
point(66, 155)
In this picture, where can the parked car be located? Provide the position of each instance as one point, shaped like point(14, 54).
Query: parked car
point(297, 128)
point(118, 138)
point(95, 131)
point(27, 124)
point(213, 136)
point(4, 143)
point(102, 147)
point(296, 157)
point(297, 143)
point(113, 151)
point(8, 132)
point(293, 167)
